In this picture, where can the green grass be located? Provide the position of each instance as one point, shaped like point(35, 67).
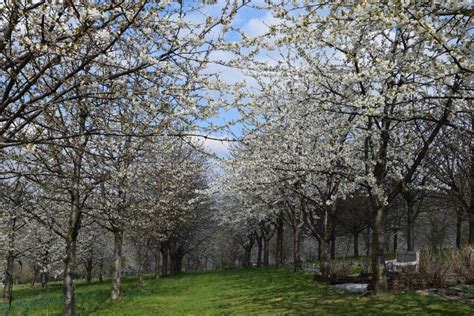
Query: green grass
point(242, 292)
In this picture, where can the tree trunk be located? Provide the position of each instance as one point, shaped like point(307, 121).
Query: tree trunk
point(68, 281)
point(395, 242)
point(410, 243)
point(89, 267)
point(324, 258)
point(259, 252)
point(116, 292)
point(379, 277)
point(471, 224)
point(70, 255)
point(140, 272)
point(101, 269)
point(266, 252)
point(10, 261)
point(247, 256)
point(165, 258)
point(89, 276)
point(74, 222)
point(471, 183)
point(8, 281)
point(319, 249)
point(44, 279)
point(333, 245)
point(356, 243)
point(157, 264)
point(172, 256)
point(379, 171)
point(296, 248)
point(36, 272)
point(410, 246)
point(177, 264)
point(279, 243)
point(458, 229)
point(171, 265)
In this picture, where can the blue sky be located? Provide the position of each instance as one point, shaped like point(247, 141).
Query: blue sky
point(253, 22)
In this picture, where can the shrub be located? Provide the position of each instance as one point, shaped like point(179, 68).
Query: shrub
point(340, 269)
point(463, 263)
point(434, 268)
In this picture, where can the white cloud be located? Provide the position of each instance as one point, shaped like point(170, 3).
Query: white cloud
point(260, 26)
point(219, 147)
point(229, 74)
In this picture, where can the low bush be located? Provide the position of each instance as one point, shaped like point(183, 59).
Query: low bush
point(340, 269)
point(463, 263)
point(434, 268)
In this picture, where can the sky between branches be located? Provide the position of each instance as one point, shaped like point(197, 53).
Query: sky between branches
point(253, 22)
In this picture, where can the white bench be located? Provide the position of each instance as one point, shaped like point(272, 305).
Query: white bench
point(404, 261)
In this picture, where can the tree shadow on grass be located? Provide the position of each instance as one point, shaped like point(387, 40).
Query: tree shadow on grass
point(296, 294)
point(34, 300)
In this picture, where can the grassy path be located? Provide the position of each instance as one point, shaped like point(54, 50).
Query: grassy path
point(241, 292)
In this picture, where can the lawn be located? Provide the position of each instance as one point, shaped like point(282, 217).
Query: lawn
point(243, 292)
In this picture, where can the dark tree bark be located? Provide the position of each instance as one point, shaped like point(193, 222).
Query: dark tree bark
point(297, 248)
point(379, 277)
point(458, 229)
point(266, 233)
point(44, 280)
point(324, 231)
point(89, 266)
point(259, 251)
point(172, 256)
point(68, 281)
point(141, 281)
point(410, 244)
point(471, 223)
point(157, 264)
point(355, 236)
point(279, 242)
point(324, 264)
point(319, 249)
point(36, 272)
point(70, 255)
point(165, 258)
point(296, 218)
point(177, 264)
point(8, 281)
point(333, 245)
point(116, 292)
point(395, 241)
point(74, 221)
point(178, 257)
point(248, 246)
point(266, 253)
point(9, 262)
point(247, 258)
point(471, 184)
point(409, 199)
point(101, 269)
